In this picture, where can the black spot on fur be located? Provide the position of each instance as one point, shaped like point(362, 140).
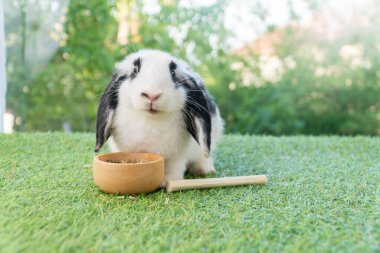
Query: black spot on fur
point(190, 122)
point(108, 103)
point(199, 105)
point(172, 69)
point(112, 91)
point(197, 90)
point(137, 67)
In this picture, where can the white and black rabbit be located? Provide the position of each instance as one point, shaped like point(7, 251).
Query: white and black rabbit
point(155, 103)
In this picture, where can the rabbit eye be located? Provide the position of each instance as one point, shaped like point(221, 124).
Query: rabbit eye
point(172, 72)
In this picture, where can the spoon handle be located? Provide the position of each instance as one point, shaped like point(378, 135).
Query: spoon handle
point(188, 184)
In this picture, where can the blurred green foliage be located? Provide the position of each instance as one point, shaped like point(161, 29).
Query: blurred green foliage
point(311, 96)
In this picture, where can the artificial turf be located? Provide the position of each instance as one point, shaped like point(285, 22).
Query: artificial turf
point(322, 196)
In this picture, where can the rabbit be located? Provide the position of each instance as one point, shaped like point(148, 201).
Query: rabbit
point(156, 103)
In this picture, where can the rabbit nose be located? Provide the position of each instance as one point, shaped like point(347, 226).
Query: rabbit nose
point(151, 97)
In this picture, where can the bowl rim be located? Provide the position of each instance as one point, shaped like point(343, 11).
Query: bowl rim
point(159, 158)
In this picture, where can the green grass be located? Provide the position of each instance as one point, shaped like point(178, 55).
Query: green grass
point(322, 196)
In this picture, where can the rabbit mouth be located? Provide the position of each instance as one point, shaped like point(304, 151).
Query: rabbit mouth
point(153, 111)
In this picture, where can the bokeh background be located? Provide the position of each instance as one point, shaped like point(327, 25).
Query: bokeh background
point(277, 67)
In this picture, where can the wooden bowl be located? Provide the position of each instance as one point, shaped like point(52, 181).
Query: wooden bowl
point(139, 172)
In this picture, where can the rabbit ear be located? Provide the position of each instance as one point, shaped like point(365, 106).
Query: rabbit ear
point(106, 109)
point(197, 113)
